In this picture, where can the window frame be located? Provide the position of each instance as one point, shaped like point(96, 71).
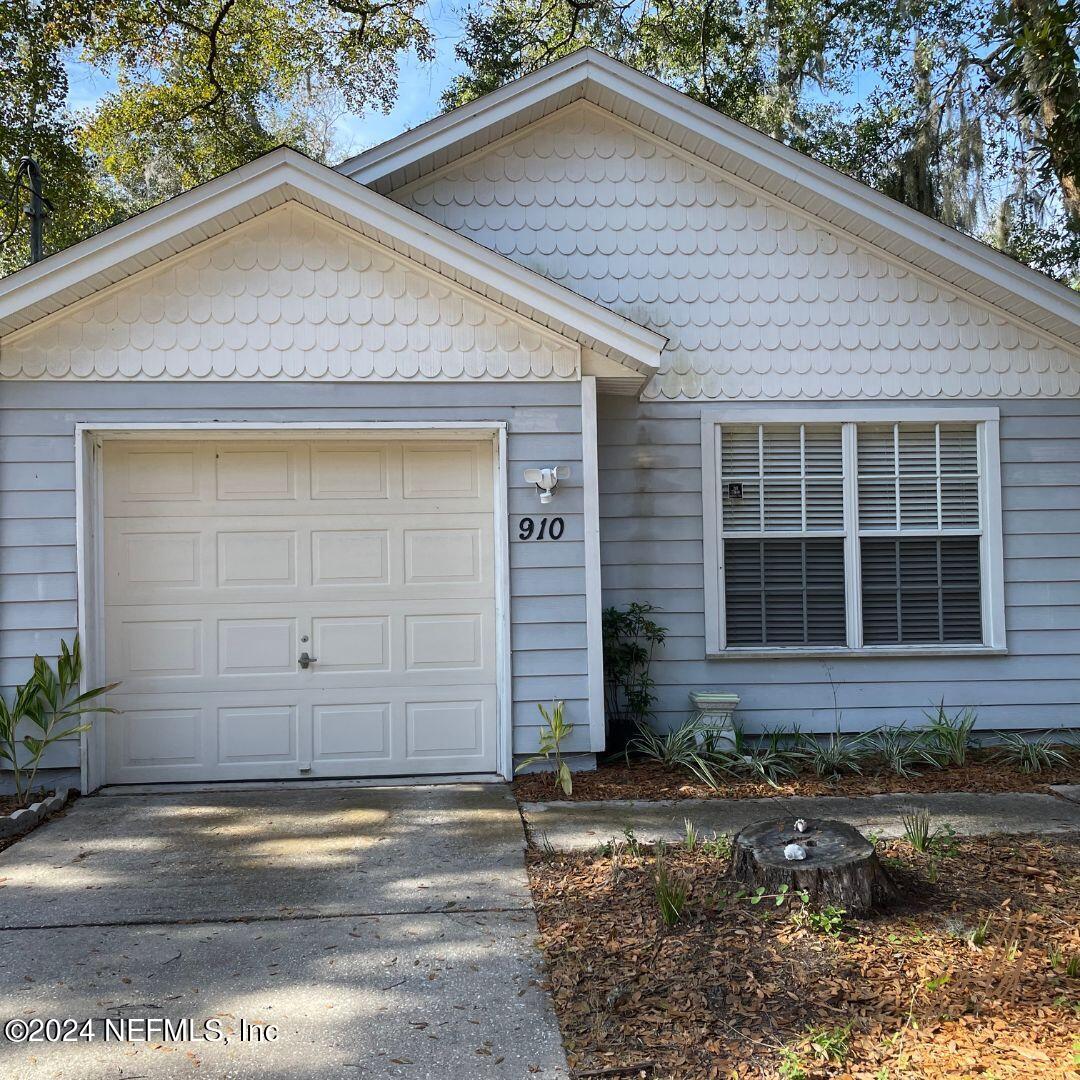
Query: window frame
point(991, 563)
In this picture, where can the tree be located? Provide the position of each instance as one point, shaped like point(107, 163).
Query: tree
point(202, 86)
point(968, 110)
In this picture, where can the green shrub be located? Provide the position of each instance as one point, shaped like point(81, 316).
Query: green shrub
point(901, 751)
point(630, 639)
point(1029, 755)
point(949, 737)
point(49, 704)
point(838, 754)
point(681, 748)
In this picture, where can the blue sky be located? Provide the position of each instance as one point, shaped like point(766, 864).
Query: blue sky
point(419, 89)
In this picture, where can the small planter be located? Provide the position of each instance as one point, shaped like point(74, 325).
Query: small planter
point(20, 822)
point(715, 710)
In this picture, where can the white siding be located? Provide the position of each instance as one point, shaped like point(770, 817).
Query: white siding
point(758, 299)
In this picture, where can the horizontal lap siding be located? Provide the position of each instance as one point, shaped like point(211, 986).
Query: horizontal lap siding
point(37, 507)
point(651, 549)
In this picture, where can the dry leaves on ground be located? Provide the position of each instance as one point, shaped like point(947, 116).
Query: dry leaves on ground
point(648, 780)
point(741, 990)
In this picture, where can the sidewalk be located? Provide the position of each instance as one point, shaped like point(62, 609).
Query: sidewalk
point(569, 826)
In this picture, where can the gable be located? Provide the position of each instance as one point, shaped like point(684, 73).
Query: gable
point(758, 299)
point(289, 294)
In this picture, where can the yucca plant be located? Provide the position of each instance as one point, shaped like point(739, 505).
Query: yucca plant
point(949, 737)
point(552, 735)
point(900, 750)
point(838, 754)
point(682, 748)
point(46, 708)
point(1029, 755)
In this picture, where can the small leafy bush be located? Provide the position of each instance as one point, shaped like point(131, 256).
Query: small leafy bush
point(949, 737)
point(672, 892)
point(1029, 755)
point(50, 706)
point(552, 735)
point(630, 637)
point(829, 920)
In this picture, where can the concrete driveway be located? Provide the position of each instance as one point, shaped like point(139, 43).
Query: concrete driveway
point(383, 932)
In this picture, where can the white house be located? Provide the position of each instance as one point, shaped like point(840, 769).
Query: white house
point(265, 445)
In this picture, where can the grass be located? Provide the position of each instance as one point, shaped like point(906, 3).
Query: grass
point(671, 891)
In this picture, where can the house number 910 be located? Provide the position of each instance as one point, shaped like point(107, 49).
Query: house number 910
point(548, 528)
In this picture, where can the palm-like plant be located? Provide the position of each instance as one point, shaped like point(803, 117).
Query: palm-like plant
point(47, 704)
point(685, 747)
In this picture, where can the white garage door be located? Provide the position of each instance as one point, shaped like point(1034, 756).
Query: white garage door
point(226, 561)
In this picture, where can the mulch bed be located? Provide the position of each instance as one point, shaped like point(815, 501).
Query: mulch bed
point(738, 990)
point(648, 780)
point(9, 803)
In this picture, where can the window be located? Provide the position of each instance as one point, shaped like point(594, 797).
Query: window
point(835, 534)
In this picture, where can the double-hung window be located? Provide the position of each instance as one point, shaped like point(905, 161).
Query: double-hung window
point(852, 530)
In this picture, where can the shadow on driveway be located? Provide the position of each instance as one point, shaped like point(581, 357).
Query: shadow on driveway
point(385, 932)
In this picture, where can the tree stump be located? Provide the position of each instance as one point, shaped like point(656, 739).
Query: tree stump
point(840, 868)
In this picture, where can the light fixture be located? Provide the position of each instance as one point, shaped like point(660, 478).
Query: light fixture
point(546, 480)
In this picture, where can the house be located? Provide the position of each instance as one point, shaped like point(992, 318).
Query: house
point(265, 447)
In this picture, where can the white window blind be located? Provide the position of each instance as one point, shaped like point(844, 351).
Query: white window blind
point(851, 533)
point(920, 484)
point(782, 484)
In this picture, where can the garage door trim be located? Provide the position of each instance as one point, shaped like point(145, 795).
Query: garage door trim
point(89, 524)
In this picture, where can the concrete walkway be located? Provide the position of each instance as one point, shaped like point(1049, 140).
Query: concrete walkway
point(386, 932)
point(568, 826)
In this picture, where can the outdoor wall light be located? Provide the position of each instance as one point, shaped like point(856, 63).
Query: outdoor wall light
point(547, 480)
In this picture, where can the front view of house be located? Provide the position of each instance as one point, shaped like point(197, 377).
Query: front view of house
point(265, 448)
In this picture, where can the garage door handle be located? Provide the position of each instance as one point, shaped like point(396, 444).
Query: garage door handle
point(306, 661)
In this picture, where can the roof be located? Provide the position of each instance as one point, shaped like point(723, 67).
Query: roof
point(776, 169)
point(284, 175)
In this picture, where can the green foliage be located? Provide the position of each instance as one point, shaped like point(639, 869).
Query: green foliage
point(829, 920)
point(631, 638)
point(949, 737)
point(835, 755)
point(900, 750)
point(50, 706)
point(690, 835)
point(920, 833)
point(680, 748)
point(201, 87)
point(830, 1043)
point(553, 734)
point(672, 892)
point(1029, 755)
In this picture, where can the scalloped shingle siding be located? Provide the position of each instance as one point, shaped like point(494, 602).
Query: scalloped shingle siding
point(288, 295)
point(758, 300)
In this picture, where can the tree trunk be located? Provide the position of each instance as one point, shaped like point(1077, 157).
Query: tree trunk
point(840, 869)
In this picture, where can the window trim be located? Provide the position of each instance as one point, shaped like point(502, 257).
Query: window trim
point(992, 563)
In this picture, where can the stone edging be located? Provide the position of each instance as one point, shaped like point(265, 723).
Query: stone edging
point(22, 821)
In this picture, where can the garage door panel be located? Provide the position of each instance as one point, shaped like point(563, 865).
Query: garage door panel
point(348, 643)
point(375, 558)
point(263, 557)
point(350, 732)
point(349, 471)
point(257, 734)
point(350, 556)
